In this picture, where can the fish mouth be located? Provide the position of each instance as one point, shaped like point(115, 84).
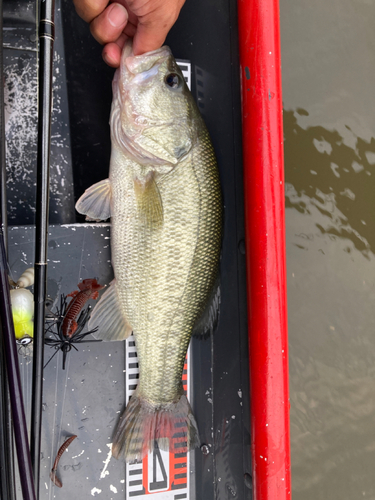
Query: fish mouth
point(139, 133)
point(145, 62)
point(140, 64)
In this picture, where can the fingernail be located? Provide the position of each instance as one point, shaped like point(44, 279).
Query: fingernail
point(108, 60)
point(117, 15)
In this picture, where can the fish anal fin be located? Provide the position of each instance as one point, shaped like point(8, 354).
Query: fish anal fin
point(108, 317)
point(149, 202)
point(207, 322)
point(95, 202)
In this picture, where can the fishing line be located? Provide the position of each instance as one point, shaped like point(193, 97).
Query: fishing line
point(51, 358)
point(55, 443)
point(53, 427)
point(26, 383)
point(65, 390)
point(83, 248)
point(63, 403)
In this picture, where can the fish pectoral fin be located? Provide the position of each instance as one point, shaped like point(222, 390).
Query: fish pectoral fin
point(95, 202)
point(207, 322)
point(149, 202)
point(108, 317)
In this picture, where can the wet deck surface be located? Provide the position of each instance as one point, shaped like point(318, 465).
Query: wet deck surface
point(87, 398)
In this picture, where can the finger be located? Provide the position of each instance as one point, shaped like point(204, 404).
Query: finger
point(112, 51)
point(154, 26)
point(89, 9)
point(149, 37)
point(108, 26)
point(112, 55)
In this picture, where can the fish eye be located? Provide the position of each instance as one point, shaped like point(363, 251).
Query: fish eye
point(25, 341)
point(173, 80)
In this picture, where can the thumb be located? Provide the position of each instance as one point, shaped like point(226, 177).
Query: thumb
point(149, 36)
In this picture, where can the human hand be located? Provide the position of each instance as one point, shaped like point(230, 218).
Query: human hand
point(146, 21)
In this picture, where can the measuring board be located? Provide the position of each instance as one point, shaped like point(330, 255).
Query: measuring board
point(162, 475)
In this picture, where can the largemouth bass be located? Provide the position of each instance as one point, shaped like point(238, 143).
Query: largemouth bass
point(163, 196)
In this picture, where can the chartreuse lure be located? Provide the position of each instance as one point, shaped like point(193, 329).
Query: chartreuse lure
point(22, 301)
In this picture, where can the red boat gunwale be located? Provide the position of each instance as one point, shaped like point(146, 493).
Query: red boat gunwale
point(260, 62)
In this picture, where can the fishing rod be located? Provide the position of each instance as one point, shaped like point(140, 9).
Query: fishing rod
point(14, 379)
point(46, 39)
point(7, 475)
point(4, 472)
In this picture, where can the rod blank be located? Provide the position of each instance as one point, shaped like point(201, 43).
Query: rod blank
point(7, 475)
point(46, 39)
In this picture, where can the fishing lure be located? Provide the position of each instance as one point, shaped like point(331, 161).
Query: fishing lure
point(88, 289)
point(22, 301)
point(70, 319)
point(27, 278)
point(62, 448)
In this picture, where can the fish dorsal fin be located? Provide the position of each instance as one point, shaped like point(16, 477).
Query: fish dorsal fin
point(95, 202)
point(149, 202)
point(108, 317)
point(209, 319)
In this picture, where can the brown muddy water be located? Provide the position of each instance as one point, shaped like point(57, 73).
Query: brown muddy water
point(328, 62)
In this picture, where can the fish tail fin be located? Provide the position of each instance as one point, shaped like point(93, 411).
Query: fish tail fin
point(173, 427)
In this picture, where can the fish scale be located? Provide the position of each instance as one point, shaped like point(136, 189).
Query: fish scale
point(166, 217)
